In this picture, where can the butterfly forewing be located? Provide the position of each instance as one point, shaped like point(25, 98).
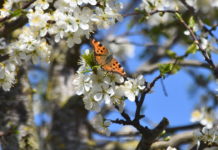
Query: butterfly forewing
point(99, 49)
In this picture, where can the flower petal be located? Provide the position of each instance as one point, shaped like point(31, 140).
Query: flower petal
point(107, 99)
point(130, 96)
point(98, 96)
point(84, 26)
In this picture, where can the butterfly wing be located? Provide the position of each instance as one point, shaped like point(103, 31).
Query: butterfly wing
point(105, 59)
point(114, 66)
point(101, 52)
point(99, 49)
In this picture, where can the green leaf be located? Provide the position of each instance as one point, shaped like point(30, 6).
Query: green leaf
point(89, 58)
point(168, 68)
point(165, 68)
point(191, 22)
point(161, 14)
point(17, 12)
point(192, 49)
point(151, 5)
point(179, 16)
point(171, 53)
point(142, 19)
point(167, 138)
point(175, 69)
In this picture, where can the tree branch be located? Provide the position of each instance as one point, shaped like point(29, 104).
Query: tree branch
point(150, 13)
point(174, 141)
point(145, 69)
point(184, 127)
point(196, 40)
point(148, 138)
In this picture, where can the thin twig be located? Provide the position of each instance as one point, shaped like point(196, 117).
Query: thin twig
point(150, 13)
point(186, 63)
point(207, 58)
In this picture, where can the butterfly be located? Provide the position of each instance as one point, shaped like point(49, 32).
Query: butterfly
point(105, 59)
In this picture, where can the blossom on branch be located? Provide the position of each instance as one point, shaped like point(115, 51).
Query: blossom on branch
point(103, 87)
point(66, 20)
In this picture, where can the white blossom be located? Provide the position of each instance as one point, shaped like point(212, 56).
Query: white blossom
point(132, 87)
point(81, 18)
point(117, 98)
point(42, 4)
point(38, 18)
point(29, 47)
point(103, 93)
point(107, 16)
point(74, 39)
point(92, 2)
point(82, 83)
point(3, 44)
point(196, 116)
point(101, 125)
point(207, 135)
point(7, 75)
point(5, 11)
point(204, 43)
point(157, 18)
point(205, 117)
point(91, 103)
point(171, 148)
point(150, 5)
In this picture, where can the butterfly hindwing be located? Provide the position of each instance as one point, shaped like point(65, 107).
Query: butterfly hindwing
point(101, 60)
point(114, 66)
point(105, 59)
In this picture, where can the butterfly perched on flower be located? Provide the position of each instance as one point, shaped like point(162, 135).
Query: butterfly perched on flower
point(105, 59)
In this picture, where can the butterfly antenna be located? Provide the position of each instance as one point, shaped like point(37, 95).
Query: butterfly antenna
point(163, 87)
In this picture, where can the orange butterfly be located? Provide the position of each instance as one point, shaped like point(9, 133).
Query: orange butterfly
point(105, 59)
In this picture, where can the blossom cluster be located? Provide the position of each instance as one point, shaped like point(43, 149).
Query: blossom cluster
point(159, 18)
point(208, 136)
point(206, 117)
point(152, 5)
point(99, 86)
point(69, 21)
point(104, 88)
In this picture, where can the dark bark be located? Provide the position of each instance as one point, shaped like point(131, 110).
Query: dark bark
point(16, 118)
point(68, 128)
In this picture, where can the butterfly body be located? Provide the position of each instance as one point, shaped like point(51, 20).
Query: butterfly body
point(105, 59)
